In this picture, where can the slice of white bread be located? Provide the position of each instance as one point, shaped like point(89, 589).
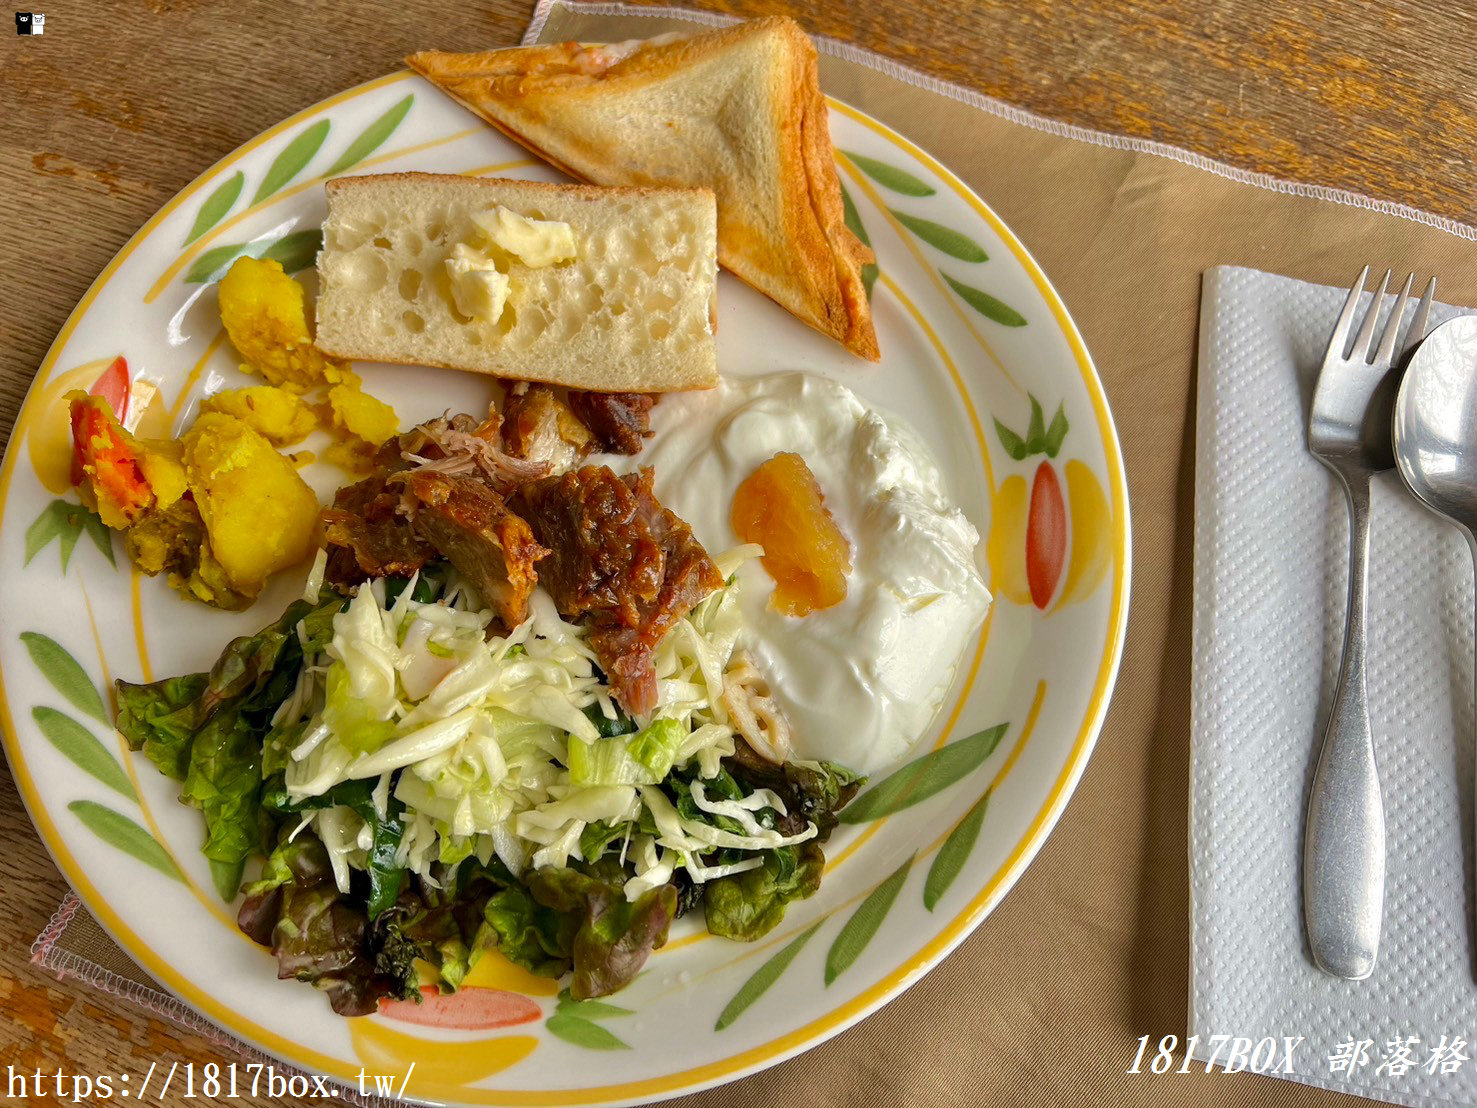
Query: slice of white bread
point(633, 311)
point(738, 110)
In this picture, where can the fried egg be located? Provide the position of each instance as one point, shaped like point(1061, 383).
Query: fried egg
point(860, 681)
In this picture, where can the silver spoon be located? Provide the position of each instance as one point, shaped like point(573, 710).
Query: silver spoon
point(1436, 424)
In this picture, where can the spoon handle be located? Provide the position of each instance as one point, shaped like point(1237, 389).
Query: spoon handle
point(1344, 849)
point(1471, 533)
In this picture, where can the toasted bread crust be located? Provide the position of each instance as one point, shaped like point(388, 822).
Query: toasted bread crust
point(812, 266)
point(594, 192)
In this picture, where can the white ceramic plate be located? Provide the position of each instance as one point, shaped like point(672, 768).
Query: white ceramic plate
point(969, 326)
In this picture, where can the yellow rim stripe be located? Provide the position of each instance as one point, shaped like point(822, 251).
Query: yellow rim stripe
point(777, 1048)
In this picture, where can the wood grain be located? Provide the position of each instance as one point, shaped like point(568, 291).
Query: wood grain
point(1377, 99)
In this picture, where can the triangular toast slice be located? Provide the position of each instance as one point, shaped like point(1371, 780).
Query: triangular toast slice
point(738, 110)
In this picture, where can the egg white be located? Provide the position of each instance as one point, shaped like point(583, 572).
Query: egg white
point(862, 681)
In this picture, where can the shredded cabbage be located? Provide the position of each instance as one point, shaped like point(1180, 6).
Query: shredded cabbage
point(488, 746)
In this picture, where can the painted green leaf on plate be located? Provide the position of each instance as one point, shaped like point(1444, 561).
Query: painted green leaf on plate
point(889, 176)
point(853, 217)
point(863, 924)
point(101, 537)
point(297, 250)
point(923, 777)
point(1036, 429)
point(47, 526)
point(216, 205)
point(215, 261)
point(66, 543)
point(765, 976)
point(65, 674)
point(295, 155)
point(854, 222)
point(120, 831)
point(987, 305)
point(954, 853)
point(1056, 432)
point(583, 1032)
point(294, 252)
point(951, 242)
point(372, 137)
point(590, 1009)
point(83, 749)
point(64, 521)
point(1014, 445)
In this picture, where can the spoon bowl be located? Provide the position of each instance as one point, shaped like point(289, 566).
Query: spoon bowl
point(1435, 431)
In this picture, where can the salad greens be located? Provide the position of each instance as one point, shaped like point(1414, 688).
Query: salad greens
point(748, 905)
point(205, 730)
point(423, 789)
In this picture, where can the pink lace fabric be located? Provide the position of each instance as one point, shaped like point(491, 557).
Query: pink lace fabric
point(74, 947)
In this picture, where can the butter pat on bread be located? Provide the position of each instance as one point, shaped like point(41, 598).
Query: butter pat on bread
point(597, 289)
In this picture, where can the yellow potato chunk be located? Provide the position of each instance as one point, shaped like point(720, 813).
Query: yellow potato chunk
point(174, 541)
point(279, 416)
point(262, 311)
point(259, 514)
point(160, 461)
point(351, 455)
point(363, 416)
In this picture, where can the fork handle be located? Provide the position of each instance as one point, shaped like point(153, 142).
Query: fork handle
point(1344, 849)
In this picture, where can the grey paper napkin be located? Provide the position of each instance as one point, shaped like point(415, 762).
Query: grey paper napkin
point(1270, 576)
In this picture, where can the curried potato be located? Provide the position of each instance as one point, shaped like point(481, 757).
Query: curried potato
point(174, 541)
point(353, 456)
point(262, 310)
point(279, 416)
point(362, 416)
point(259, 514)
point(165, 472)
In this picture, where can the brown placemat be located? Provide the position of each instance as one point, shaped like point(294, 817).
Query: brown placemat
point(1046, 1001)
point(75, 946)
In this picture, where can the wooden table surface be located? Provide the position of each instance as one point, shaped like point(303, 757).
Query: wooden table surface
point(119, 105)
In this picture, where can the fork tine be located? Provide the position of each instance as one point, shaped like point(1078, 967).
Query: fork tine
point(1339, 340)
point(1362, 340)
point(1420, 323)
point(1386, 351)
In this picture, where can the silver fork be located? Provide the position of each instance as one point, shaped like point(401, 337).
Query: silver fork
point(1350, 433)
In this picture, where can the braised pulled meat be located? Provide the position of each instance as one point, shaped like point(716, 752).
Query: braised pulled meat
point(439, 491)
point(538, 426)
point(619, 421)
point(605, 556)
point(618, 556)
point(367, 537)
point(468, 522)
point(459, 445)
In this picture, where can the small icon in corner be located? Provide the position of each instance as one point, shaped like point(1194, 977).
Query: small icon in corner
point(30, 23)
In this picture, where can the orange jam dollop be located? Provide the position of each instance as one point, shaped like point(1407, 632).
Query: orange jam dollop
point(781, 507)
